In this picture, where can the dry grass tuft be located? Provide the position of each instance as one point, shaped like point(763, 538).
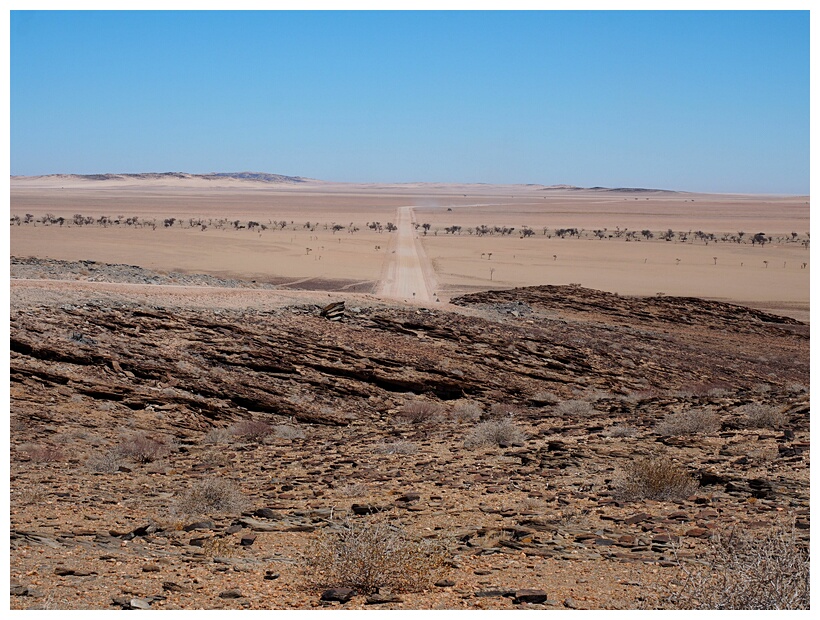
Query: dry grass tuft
point(286, 431)
point(420, 411)
point(211, 496)
point(494, 433)
point(655, 477)
point(397, 447)
point(764, 416)
point(251, 430)
point(104, 462)
point(620, 430)
point(466, 411)
point(43, 453)
point(692, 422)
point(574, 409)
point(503, 410)
point(371, 556)
point(217, 436)
point(145, 447)
point(744, 571)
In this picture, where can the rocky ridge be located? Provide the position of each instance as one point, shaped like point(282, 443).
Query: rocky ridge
point(534, 522)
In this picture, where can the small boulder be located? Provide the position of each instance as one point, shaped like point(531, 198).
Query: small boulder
point(529, 595)
point(342, 595)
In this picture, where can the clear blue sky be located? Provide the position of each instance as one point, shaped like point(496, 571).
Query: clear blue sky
point(699, 101)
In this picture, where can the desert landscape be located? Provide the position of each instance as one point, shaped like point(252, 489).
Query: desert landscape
point(255, 391)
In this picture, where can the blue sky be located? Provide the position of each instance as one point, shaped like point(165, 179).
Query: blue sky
point(699, 101)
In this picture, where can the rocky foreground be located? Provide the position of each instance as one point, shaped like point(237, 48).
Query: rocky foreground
point(119, 409)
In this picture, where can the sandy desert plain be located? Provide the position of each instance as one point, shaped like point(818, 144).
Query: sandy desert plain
point(189, 432)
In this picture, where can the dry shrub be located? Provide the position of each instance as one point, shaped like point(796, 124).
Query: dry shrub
point(575, 409)
point(251, 430)
point(419, 411)
point(494, 433)
point(145, 447)
point(40, 453)
point(211, 496)
point(744, 571)
point(397, 447)
point(757, 415)
point(104, 462)
point(690, 422)
point(285, 431)
point(354, 489)
point(370, 556)
point(217, 436)
point(620, 430)
point(467, 411)
point(655, 477)
point(503, 410)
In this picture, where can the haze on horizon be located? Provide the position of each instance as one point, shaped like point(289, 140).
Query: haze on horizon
point(696, 101)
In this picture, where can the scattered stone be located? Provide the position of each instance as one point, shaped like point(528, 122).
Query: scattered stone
point(367, 509)
point(530, 596)
point(380, 598)
point(445, 583)
point(570, 603)
point(495, 593)
point(265, 513)
point(342, 595)
point(247, 540)
point(231, 594)
point(638, 518)
point(140, 603)
point(199, 525)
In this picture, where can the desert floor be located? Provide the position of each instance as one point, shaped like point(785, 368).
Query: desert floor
point(149, 359)
point(298, 247)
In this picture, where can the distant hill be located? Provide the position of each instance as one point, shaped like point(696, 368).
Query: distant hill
point(625, 190)
point(262, 177)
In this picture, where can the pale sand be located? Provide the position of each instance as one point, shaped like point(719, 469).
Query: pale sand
point(364, 257)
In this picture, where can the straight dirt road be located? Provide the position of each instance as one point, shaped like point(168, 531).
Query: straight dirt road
point(407, 275)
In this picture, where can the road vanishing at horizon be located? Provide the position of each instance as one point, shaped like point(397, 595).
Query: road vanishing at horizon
point(408, 275)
